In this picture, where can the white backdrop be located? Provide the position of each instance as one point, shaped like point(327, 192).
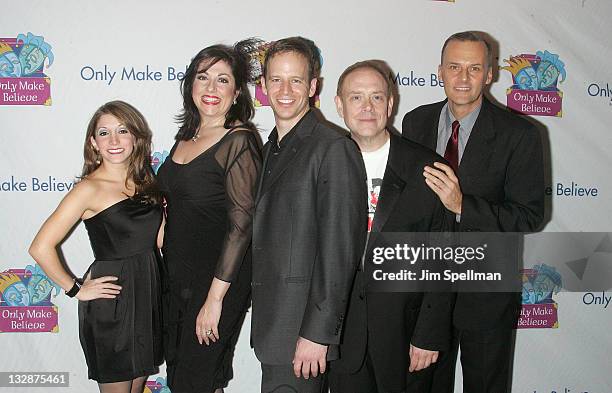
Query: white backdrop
point(39, 142)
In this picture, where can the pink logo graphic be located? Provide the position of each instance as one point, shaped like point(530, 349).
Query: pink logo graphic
point(25, 301)
point(157, 386)
point(539, 310)
point(158, 158)
point(22, 80)
point(534, 90)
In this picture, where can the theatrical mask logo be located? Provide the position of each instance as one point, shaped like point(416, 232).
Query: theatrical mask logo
point(156, 386)
point(158, 158)
point(22, 63)
point(534, 89)
point(25, 301)
point(539, 309)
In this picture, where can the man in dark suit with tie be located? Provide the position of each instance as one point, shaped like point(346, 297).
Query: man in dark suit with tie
point(494, 184)
point(390, 339)
point(308, 228)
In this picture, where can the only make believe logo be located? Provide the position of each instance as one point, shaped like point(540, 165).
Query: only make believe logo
point(257, 61)
point(157, 386)
point(534, 90)
point(158, 158)
point(539, 309)
point(25, 301)
point(22, 80)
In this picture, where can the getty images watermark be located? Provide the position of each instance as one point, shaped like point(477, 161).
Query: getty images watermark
point(412, 255)
point(484, 262)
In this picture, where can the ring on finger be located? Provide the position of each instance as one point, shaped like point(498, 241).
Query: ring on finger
point(208, 332)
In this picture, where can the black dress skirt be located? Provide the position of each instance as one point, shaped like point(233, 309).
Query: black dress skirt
point(208, 234)
point(121, 337)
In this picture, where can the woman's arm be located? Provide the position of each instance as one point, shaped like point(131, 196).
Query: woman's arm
point(44, 246)
point(160, 233)
point(241, 159)
point(210, 313)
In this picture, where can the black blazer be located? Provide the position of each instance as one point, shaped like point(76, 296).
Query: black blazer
point(308, 236)
point(501, 175)
point(389, 322)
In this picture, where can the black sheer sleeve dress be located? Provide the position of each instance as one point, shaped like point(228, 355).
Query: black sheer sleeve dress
point(208, 231)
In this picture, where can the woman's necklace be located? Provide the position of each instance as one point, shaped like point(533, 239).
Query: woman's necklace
point(195, 137)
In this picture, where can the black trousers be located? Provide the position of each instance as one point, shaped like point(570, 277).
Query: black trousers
point(486, 362)
point(367, 380)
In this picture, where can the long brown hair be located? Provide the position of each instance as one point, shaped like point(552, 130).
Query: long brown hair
point(139, 165)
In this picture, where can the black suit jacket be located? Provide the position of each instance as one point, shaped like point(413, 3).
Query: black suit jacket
point(308, 236)
point(501, 176)
point(389, 322)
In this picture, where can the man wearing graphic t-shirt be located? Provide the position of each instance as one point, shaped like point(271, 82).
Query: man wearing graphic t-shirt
point(390, 339)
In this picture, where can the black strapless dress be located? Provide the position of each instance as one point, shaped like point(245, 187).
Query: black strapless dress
point(121, 337)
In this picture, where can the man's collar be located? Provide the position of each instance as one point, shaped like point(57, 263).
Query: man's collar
point(468, 121)
point(273, 137)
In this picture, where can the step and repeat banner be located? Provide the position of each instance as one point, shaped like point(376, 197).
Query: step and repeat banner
point(59, 61)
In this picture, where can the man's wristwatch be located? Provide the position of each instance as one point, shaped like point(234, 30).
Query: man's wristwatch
point(75, 288)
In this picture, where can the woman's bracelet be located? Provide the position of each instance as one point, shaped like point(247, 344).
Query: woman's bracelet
point(75, 288)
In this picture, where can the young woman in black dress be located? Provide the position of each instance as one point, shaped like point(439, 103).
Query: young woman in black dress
point(120, 298)
point(208, 182)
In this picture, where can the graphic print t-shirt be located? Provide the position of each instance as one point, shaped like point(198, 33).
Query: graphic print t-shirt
point(375, 164)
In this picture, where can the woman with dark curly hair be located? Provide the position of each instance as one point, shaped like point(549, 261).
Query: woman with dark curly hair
point(120, 324)
point(208, 182)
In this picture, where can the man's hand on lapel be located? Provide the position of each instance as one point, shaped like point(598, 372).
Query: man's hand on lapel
point(444, 183)
point(421, 358)
point(310, 358)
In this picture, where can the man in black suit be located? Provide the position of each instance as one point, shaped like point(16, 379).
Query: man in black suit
point(390, 339)
point(308, 228)
point(494, 184)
